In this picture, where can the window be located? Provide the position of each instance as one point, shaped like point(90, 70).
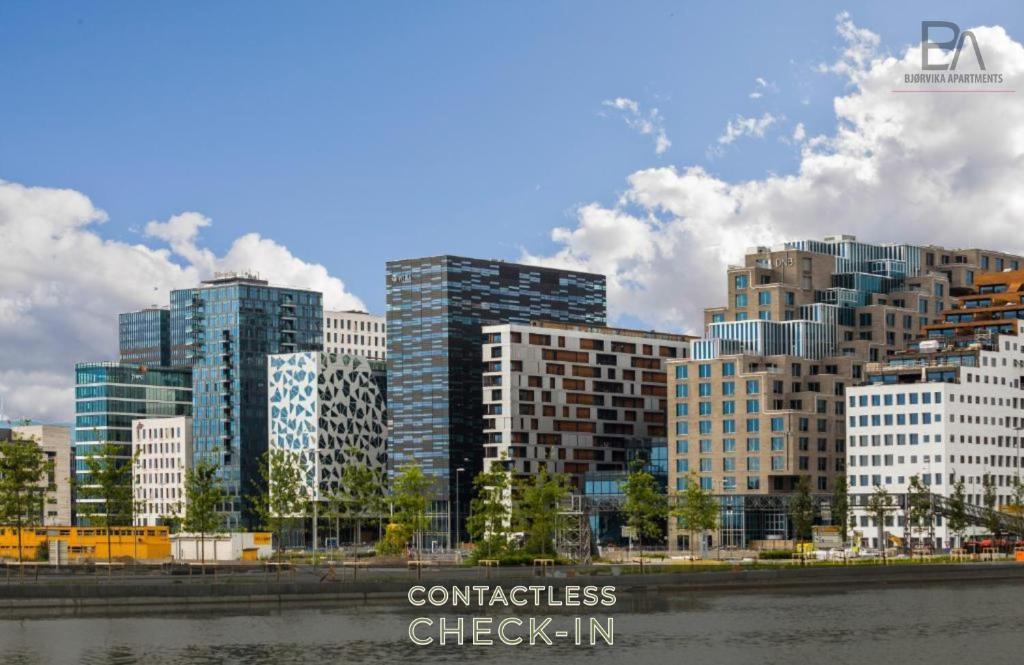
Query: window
point(729, 369)
point(764, 298)
point(741, 281)
point(741, 300)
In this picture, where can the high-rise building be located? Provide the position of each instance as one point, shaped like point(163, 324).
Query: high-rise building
point(55, 443)
point(330, 411)
point(760, 402)
point(224, 330)
point(145, 337)
point(162, 448)
point(570, 398)
point(436, 307)
point(355, 333)
point(944, 412)
point(108, 398)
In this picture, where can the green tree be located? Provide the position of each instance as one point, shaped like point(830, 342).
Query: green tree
point(282, 495)
point(841, 508)
point(490, 512)
point(24, 473)
point(992, 517)
point(108, 490)
point(361, 490)
point(204, 493)
point(1016, 506)
point(919, 507)
point(879, 506)
point(644, 508)
point(957, 518)
point(801, 511)
point(411, 497)
point(696, 510)
point(536, 508)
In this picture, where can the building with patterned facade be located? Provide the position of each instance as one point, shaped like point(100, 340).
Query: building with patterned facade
point(162, 448)
point(108, 398)
point(55, 443)
point(760, 402)
point(144, 337)
point(355, 333)
point(436, 307)
point(224, 330)
point(329, 410)
point(570, 398)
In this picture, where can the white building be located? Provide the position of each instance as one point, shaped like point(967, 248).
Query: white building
point(942, 414)
point(236, 546)
point(355, 333)
point(163, 450)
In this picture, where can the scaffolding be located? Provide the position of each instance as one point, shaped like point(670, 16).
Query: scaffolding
point(572, 535)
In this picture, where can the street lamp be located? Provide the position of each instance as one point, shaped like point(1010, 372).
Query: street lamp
point(458, 530)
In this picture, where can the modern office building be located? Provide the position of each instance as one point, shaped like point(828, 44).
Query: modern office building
point(603, 495)
point(162, 448)
point(145, 337)
point(108, 398)
point(942, 413)
point(760, 402)
point(55, 443)
point(996, 300)
point(569, 398)
point(355, 333)
point(330, 411)
point(224, 330)
point(436, 307)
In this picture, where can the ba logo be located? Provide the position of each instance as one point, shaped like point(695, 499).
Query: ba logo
point(955, 44)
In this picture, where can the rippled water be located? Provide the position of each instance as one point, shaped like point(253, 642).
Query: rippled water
point(951, 624)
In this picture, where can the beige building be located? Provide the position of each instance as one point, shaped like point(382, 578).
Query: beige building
point(55, 441)
point(569, 398)
point(356, 334)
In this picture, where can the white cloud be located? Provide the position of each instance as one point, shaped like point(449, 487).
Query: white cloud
point(940, 168)
point(650, 123)
point(799, 132)
point(762, 86)
point(741, 126)
point(64, 284)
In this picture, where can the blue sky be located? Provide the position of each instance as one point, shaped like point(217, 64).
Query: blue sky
point(358, 132)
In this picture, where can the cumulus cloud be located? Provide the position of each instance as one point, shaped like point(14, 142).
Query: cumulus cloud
point(762, 86)
point(925, 168)
point(741, 126)
point(64, 284)
point(799, 132)
point(650, 123)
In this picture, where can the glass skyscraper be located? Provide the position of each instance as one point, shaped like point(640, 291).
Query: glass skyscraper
point(224, 329)
point(436, 307)
point(109, 396)
point(145, 337)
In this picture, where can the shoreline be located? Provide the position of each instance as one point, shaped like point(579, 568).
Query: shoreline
point(22, 599)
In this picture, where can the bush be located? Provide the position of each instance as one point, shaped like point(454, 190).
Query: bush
point(776, 554)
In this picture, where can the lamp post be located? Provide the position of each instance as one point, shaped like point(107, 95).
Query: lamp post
point(458, 530)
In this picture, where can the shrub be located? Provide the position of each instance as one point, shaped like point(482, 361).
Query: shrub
point(776, 554)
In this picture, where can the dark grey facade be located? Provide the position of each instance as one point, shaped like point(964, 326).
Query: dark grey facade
point(436, 307)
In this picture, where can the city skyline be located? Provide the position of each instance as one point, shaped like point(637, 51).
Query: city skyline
point(663, 193)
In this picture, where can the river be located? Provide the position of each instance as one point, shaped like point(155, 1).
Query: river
point(961, 623)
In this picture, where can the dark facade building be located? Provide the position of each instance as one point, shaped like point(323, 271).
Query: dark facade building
point(145, 337)
point(224, 330)
point(108, 397)
point(436, 307)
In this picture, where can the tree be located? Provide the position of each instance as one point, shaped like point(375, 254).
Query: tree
point(801, 511)
point(204, 492)
point(841, 508)
point(109, 488)
point(919, 507)
point(360, 499)
point(489, 512)
point(283, 495)
point(879, 506)
point(644, 507)
point(992, 518)
point(24, 473)
point(957, 518)
point(695, 509)
point(1016, 507)
point(412, 491)
point(536, 510)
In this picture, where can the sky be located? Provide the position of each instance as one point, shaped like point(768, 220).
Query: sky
point(144, 146)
